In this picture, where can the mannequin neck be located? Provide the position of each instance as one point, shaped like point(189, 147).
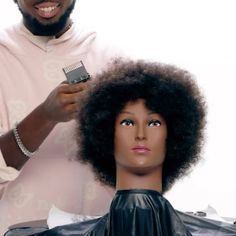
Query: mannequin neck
point(133, 179)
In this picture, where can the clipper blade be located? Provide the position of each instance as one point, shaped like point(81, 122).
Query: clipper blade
point(76, 73)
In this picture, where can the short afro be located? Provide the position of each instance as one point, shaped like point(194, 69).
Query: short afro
point(167, 90)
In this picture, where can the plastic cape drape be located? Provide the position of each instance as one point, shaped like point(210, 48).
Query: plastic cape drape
point(132, 213)
point(200, 226)
point(138, 213)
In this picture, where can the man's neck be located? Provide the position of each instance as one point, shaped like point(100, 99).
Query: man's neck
point(66, 28)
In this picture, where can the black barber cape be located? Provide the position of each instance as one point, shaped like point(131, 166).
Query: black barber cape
point(137, 212)
point(132, 213)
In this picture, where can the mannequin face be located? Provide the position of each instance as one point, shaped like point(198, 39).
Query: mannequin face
point(140, 139)
point(45, 17)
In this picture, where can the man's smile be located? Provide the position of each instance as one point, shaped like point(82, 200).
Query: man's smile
point(47, 9)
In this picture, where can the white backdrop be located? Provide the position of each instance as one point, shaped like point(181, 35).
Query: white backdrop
point(198, 35)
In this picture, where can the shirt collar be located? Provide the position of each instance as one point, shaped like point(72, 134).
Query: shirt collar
point(43, 41)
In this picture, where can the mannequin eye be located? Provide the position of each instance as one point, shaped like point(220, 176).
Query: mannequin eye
point(127, 122)
point(154, 123)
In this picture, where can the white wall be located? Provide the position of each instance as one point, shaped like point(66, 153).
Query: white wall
point(198, 35)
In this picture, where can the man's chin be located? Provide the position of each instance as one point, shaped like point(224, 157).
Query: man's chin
point(42, 29)
point(47, 27)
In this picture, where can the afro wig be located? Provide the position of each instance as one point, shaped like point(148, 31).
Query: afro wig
point(166, 90)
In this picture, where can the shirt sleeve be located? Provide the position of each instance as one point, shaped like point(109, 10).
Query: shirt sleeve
point(7, 173)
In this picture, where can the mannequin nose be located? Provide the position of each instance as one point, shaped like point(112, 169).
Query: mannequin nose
point(140, 133)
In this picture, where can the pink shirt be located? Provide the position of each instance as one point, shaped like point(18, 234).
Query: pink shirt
point(30, 67)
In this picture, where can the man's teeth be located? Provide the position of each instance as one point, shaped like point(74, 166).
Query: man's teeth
point(47, 9)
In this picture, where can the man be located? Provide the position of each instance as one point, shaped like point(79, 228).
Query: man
point(36, 115)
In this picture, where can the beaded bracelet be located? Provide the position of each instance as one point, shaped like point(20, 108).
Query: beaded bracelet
point(22, 147)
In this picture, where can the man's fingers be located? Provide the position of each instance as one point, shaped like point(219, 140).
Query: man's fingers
point(67, 98)
point(72, 88)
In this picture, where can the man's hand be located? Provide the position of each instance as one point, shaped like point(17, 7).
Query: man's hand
point(62, 103)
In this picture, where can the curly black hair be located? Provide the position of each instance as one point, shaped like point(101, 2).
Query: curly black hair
point(167, 90)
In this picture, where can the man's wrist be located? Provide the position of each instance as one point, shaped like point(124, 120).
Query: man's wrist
point(20, 144)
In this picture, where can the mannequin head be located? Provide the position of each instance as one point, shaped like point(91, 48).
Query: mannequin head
point(139, 147)
point(142, 88)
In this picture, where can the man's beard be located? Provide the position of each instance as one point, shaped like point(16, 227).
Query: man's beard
point(38, 28)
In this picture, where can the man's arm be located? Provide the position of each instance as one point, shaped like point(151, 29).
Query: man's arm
point(60, 106)
point(32, 130)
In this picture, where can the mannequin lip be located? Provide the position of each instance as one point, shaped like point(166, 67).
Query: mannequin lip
point(140, 149)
